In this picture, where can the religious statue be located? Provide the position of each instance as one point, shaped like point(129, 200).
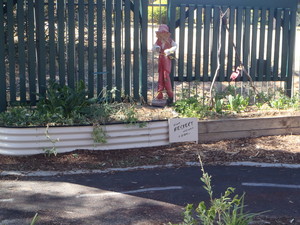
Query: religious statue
point(166, 48)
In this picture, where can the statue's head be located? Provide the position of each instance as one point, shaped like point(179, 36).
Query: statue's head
point(163, 32)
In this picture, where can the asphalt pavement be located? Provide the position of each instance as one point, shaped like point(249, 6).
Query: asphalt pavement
point(144, 196)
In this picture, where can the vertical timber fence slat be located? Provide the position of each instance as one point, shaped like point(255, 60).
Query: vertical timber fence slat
point(198, 43)
point(21, 49)
point(40, 41)
point(291, 53)
point(99, 48)
point(127, 49)
point(118, 46)
point(2, 62)
point(238, 39)
point(254, 44)
point(31, 53)
point(71, 44)
point(109, 66)
point(261, 45)
point(284, 49)
point(269, 43)
point(181, 43)
point(206, 61)
point(215, 33)
point(81, 67)
point(61, 41)
point(11, 51)
point(230, 43)
point(190, 42)
point(91, 48)
point(246, 43)
point(51, 45)
point(144, 49)
point(136, 50)
point(222, 53)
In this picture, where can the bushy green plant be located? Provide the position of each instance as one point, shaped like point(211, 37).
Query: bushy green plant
point(191, 107)
point(237, 103)
point(63, 100)
point(225, 210)
point(284, 102)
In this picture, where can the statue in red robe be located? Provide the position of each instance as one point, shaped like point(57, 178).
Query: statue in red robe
point(165, 46)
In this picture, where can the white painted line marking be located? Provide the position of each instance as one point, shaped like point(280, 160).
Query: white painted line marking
point(274, 165)
point(130, 192)
point(272, 185)
point(7, 200)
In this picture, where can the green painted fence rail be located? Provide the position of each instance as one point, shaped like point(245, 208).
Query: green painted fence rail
point(262, 31)
point(72, 40)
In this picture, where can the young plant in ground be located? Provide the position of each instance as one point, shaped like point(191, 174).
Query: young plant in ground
point(99, 134)
point(191, 107)
point(63, 100)
point(225, 210)
point(52, 150)
point(284, 102)
point(237, 103)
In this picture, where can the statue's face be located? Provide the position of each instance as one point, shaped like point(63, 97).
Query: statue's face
point(163, 36)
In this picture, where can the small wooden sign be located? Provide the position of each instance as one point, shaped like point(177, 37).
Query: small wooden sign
point(183, 130)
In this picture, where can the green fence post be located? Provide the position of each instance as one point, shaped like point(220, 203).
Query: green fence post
point(31, 53)
point(118, 44)
point(291, 52)
point(136, 50)
point(109, 58)
point(190, 42)
point(99, 47)
point(40, 42)
point(144, 49)
point(61, 41)
point(2, 62)
point(52, 45)
point(71, 44)
point(21, 49)
point(81, 16)
point(11, 51)
point(127, 37)
point(91, 77)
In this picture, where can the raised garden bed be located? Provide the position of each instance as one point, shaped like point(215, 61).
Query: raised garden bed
point(37, 140)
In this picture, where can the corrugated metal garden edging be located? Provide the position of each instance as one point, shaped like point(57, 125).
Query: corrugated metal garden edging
point(30, 141)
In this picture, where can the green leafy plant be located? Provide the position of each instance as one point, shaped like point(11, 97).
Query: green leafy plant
point(191, 107)
point(99, 134)
point(237, 103)
point(34, 219)
point(52, 150)
point(282, 101)
point(225, 210)
point(63, 100)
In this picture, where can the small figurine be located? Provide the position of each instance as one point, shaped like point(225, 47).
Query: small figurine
point(165, 46)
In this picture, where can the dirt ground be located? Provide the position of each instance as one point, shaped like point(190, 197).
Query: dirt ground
point(270, 149)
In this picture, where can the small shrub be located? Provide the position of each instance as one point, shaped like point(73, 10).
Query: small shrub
point(63, 100)
point(237, 103)
point(225, 210)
